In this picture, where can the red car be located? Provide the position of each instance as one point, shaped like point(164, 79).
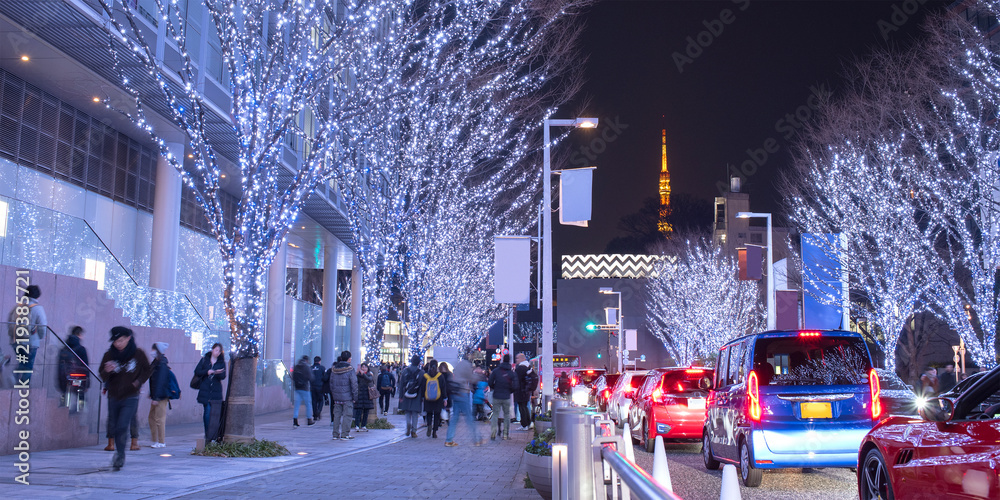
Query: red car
point(670, 403)
point(953, 451)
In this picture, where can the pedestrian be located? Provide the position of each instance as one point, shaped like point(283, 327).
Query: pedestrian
point(435, 391)
point(527, 382)
point(302, 380)
point(73, 362)
point(343, 393)
point(316, 388)
point(503, 383)
point(410, 397)
point(212, 370)
point(26, 328)
point(112, 423)
point(929, 382)
point(947, 380)
point(445, 368)
point(564, 387)
point(124, 368)
point(365, 401)
point(479, 395)
point(159, 395)
point(459, 394)
point(386, 388)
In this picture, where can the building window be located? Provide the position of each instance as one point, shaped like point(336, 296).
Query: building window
point(756, 238)
point(94, 270)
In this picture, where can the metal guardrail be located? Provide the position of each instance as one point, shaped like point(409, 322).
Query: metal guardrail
point(640, 483)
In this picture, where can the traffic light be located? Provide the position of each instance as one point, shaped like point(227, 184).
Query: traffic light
point(598, 354)
point(591, 327)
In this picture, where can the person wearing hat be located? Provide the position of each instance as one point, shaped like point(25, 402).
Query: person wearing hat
point(36, 321)
point(159, 393)
point(124, 368)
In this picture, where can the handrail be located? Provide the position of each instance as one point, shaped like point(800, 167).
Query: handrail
point(77, 356)
point(640, 483)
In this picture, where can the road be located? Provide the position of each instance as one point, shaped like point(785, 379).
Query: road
point(693, 482)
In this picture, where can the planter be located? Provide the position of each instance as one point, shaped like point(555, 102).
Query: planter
point(540, 473)
point(542, 426)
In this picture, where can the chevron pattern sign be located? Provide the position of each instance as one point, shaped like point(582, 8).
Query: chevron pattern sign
point(610, 266)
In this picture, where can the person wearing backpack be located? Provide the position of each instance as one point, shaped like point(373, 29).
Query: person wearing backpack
point(410, 397)
point(386, 388)
point(503, 383)
point(434, 389)
point(159, 394)
point(73, 359)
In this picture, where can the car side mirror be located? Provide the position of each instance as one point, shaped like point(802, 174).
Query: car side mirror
point(937, 410)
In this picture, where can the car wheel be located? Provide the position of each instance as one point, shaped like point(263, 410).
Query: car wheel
point(650, 441)
point(750, 475)
point(706, 451)
point(874, 481)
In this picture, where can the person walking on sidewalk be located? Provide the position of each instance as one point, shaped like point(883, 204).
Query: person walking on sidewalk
point(365, 402)
point(159, 395)
point(434, 389)
point(410, 397)
point(461, 402)
point(212, 370)
point(343, 393)
point(479, 394)
point(302, 380)
point(124, 368)
point(527, 382)
point(386, 388)
point(316, 388)
point(503, 383)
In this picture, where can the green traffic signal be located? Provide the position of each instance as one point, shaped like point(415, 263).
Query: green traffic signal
point(598, 355)
point(591, 327)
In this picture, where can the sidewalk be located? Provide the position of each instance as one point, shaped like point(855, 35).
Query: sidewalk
point(376, 464)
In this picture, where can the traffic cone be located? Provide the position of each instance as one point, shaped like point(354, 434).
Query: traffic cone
point(730, 484)
point(660, 471)
point(627, 439)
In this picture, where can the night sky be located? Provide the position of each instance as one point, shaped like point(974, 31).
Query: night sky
point(731, 97)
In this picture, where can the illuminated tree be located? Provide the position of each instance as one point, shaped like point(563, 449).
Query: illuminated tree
point(696, 301)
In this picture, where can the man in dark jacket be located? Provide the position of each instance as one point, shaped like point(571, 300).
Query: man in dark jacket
point(386, 385)
point(159, 395)
point(302, 381)
point(343, 393)
point(124, 368)
point(317, 387)
point(411, 402)
point(73, 360)
point(503, 383)
point(525, 383)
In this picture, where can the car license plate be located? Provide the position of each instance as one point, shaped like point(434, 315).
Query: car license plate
point(696, 404)
point(816, 410)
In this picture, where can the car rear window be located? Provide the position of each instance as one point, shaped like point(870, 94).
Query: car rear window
point(683, 381)
point(587, 377)
point(637, 380)
point(811, 360)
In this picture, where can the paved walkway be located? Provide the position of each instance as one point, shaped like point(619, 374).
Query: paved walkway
point(377, 464)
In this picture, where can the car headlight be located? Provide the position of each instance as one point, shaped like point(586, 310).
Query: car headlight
point(580, 398)
point(920, 403)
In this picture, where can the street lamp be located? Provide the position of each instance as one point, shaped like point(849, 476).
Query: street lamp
point(606, 290)
point(548, 378)
point(770, 263)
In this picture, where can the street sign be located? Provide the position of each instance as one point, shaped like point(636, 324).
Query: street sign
point(625, 353)
point(642, 358)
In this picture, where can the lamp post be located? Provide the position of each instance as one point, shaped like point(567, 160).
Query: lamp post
point(606, 290)
point(771, 322)
point(548, 377)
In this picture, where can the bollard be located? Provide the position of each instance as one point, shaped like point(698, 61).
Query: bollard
point(627, 439)
point(573, 428)
point(730, 484)
point(660, 471)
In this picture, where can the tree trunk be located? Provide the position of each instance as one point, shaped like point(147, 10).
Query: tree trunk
point(240, 401)
point(244, 304)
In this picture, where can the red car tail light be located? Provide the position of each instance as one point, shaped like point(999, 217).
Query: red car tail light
point(657, 395)
point(876, 390)
point(753, 396)
point(607, 394)
point(694, 371)
point(809, 334)
point(573, 381)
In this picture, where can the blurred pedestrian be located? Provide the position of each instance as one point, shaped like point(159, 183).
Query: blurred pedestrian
point(124, 368)
point(73, 362)
point(386, 388)
point(343, 394)
point(947, 379)
point(316, 387)
point(503, 383)
point(212, 370)
point(365, 402)
point(410, 397)
point(26, 329)
point(461, 402)
point(929, 382)
point(159, 395)
point(302, 381)
point(479, 394)
point(435, 391)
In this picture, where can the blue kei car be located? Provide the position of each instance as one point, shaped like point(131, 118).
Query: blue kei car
point(788, 399)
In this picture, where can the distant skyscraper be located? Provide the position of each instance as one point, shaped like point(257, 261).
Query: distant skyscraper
point(664, 224)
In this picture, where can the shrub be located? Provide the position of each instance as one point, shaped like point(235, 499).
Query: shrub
point(542, 444)
point(381, 423)
point(253, 449)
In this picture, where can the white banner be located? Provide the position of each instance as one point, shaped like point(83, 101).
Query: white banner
point(576, 196)
point(511, 269)
point(630, 340)
point(611, 316)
